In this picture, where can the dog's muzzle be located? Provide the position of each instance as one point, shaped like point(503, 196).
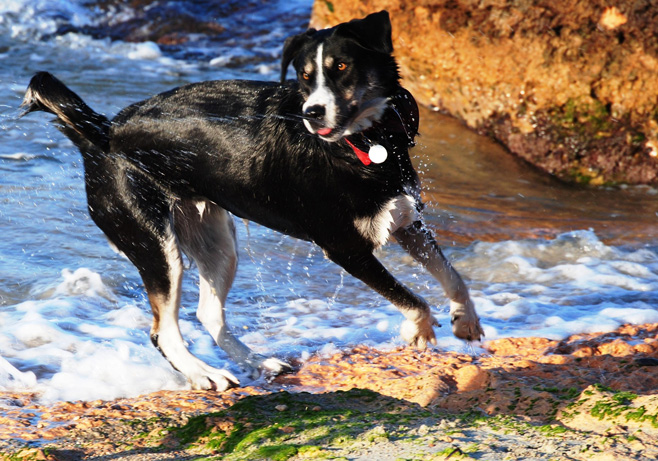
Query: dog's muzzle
point(315, 113)
point(314, 116)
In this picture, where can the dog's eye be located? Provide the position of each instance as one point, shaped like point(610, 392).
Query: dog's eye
point(341, 66)
point(306, 76)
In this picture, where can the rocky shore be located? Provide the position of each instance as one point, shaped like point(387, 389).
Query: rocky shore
point(570, 87)
point(590, 396)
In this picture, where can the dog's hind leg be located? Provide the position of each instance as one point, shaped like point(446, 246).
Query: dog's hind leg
point(166, 335)
point(136, 217)
point(207, 235)
point(421, 245)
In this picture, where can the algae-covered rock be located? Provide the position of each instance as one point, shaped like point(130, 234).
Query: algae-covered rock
point(569, 86)
point(603, 410)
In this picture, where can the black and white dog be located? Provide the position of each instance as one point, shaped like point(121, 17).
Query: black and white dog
point(323, 158)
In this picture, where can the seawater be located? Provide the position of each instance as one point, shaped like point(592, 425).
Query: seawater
point(541, 258)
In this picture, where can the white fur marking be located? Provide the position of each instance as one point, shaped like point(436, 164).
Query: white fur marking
point(115, 248)
point(173, 255)
point(201, 206)
point(371, 112)
point(321, 95)
point(398, 212)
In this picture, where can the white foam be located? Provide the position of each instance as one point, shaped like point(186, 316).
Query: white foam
point(80, 337)
point(82, 282)
point(18, 156)
point(11, 379)
point(105, 48)
point(33, 331)
point(639, 315)
point(572, 284)
point(110, 370)
point(144, 50)
point(83, 347)
point(129, 317)
point(28, 18)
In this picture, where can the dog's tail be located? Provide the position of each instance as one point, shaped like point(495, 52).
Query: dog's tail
point(87, 129)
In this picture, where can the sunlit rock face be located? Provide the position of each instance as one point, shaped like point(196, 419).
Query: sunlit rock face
point(570, 87)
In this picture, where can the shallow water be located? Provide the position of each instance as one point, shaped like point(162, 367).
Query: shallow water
point(541, 258)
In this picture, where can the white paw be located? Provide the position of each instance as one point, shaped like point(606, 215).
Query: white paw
point(258, 365)
point(213, 379)
point(274, 367)
point(419, 333)
point(465, 321)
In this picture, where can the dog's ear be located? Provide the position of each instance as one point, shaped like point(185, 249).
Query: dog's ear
point(291, 47)
point(372, 32)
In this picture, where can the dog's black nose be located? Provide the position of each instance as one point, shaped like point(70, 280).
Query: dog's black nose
point(315, 112)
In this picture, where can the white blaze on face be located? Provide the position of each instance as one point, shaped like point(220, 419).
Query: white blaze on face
point(321, 94)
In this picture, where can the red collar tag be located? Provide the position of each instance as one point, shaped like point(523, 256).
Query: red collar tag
point(363, 156)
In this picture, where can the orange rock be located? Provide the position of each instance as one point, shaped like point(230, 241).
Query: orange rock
point(612, 18)
point(525, 364)
point(647, 349)
point(557, 359)
point(519, 346)
point(533, 74)
point(584, 351)
point(617, 348)
point(472, 378)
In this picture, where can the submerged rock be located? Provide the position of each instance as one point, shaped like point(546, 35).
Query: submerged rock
point(570, 87)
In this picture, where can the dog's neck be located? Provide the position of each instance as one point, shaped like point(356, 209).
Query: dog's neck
point(401, 116)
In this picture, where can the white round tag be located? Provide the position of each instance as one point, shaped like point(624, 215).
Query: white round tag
point(377, 153)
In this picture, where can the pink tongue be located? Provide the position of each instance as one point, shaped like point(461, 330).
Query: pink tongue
point(324, 131)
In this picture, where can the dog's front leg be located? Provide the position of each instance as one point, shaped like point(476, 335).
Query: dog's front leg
point(417, 329)
point(421, 245)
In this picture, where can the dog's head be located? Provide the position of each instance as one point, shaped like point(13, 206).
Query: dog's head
point(346, 74)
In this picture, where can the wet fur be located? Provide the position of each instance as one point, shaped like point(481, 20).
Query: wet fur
point(163, 175)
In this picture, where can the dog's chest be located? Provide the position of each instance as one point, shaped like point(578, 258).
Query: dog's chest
point(346, 199)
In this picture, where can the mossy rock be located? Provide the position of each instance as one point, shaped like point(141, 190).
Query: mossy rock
point(599, 408)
